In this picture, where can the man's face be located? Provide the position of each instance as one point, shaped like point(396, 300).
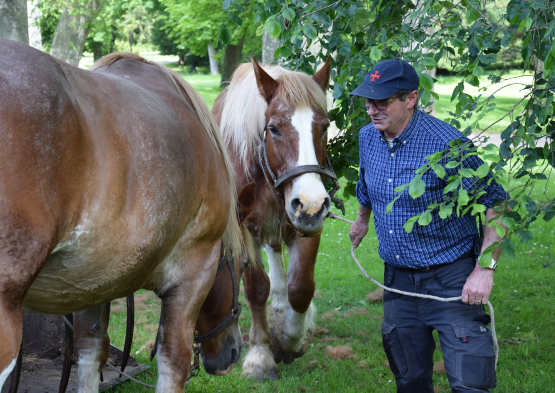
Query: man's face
point(391, 115)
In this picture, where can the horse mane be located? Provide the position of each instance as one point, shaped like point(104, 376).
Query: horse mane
point(233, 237)
point(243, 115)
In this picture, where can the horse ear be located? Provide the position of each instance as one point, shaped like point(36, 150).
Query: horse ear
point(322, 77)
point(246, 199)
point(266, 84)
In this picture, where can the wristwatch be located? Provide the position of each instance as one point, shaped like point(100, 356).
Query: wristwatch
point(492, 265)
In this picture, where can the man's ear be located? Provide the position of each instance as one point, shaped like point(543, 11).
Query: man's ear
point(412, 99)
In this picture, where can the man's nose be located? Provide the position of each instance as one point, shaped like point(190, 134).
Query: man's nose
point(372, 110)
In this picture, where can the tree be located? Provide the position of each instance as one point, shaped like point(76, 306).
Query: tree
point(72, 30)
point(197, 23)
point(362, 33)
point(13, 20)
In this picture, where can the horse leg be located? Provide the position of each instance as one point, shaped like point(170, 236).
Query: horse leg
point(278, 279)
point(289, 339)
point(259, 362)
point(23, 253)
point(181, 304)
point(92, 346)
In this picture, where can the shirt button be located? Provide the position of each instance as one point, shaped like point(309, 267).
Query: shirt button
point(390, 180)
point(390, 231)
point(404, 142)
point(392, 154)
point(397, 256)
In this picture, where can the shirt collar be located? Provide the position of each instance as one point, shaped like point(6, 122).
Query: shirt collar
point(405, 135)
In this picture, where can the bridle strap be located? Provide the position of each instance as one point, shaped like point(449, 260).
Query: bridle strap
point(326, 170)
point(228, 261)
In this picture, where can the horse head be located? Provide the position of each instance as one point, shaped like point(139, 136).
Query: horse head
point(217, 327)
point(294, 150)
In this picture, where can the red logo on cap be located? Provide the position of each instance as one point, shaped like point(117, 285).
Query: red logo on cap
point(375, 75)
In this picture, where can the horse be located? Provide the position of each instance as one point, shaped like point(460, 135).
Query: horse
point(274, 123)
point(113, 179)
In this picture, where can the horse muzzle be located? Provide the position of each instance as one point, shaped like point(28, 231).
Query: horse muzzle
point(308, 217)
point(228, 354)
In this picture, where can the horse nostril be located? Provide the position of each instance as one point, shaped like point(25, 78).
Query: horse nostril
point(233, 355)
point(296, 206)
point(326, 205)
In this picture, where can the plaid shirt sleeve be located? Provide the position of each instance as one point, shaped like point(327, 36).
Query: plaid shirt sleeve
point(361, 189)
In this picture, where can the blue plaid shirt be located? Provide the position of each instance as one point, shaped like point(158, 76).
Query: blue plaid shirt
point(382, 169)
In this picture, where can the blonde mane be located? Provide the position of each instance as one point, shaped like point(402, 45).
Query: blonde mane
point(233, 238)
point(243, 115)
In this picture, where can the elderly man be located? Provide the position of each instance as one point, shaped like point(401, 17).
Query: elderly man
point(437, 259)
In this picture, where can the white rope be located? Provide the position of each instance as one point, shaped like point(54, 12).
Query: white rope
point(440, 299)
point(129, 376)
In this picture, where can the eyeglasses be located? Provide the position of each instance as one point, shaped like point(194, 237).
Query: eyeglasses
point(379, 104)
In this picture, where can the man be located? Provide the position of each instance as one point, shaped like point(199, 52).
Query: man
point(437, 259)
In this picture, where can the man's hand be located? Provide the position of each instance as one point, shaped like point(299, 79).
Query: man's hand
point(358, 230)
point(478, 286)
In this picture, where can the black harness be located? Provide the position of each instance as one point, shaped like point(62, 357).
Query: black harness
point(235, 306)
point(325, 170)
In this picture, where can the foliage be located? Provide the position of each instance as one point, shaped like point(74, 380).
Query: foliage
point(196, 23)
point(359, 34)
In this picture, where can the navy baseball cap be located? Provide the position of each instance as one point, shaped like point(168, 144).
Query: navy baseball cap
point(386, 79)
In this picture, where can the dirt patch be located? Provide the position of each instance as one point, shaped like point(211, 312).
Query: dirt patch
point(439, 367)
point(149, 345)
point(329, 339)
point(246, 338)
point(319, 331)
point(340, 352)
point(361, 311)
point(327, 316)
point(349, 314)
point(376, 296)
point(116, 309)
point(317, 294)
point(362, 364)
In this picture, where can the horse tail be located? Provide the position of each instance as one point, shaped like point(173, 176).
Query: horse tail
point(233, 236)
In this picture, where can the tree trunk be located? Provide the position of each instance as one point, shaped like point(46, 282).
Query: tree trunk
point(13, 20)
point(71, 32)
point(269, 46)
point(232, 58)
point(33, 16)
point(213, 63)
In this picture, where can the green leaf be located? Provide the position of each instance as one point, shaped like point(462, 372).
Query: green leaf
point(478, 208)
point(410, 224)
point(452, 164)
point(426, 81)
point(463, 197)
point(283, 52)
point(467, 172)
point(425, 218)
point(389, 207)
point(225, 35)
point(446, 211)
point(500, 231)
point(425, 97)
point(235, 19)
point(375, 54)
point(259, 31)
point(417, 187)
point(273, 28)
point(226, 4)
point(401, 188)
point(508, 248)
point(438, 169)
point(452, 186)
point(288, 13)
point(482, 170)
point(478, 71)
point(310, 31)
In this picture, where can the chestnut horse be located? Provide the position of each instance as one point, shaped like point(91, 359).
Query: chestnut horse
point(274, 122)
point(111, 180)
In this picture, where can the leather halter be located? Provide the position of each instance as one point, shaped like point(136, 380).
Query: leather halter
point(235, 306)
point(326, 170)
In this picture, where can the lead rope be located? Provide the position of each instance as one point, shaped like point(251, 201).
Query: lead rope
point(440, 299)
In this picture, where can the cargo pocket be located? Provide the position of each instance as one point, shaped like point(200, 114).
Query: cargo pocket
point(393, 350)
point(475, 357)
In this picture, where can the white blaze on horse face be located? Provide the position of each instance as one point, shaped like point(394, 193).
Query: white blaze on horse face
point(4, 375)
point(308, 187)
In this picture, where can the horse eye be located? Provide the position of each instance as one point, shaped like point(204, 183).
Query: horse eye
point(274, 130)
point(325, 129)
